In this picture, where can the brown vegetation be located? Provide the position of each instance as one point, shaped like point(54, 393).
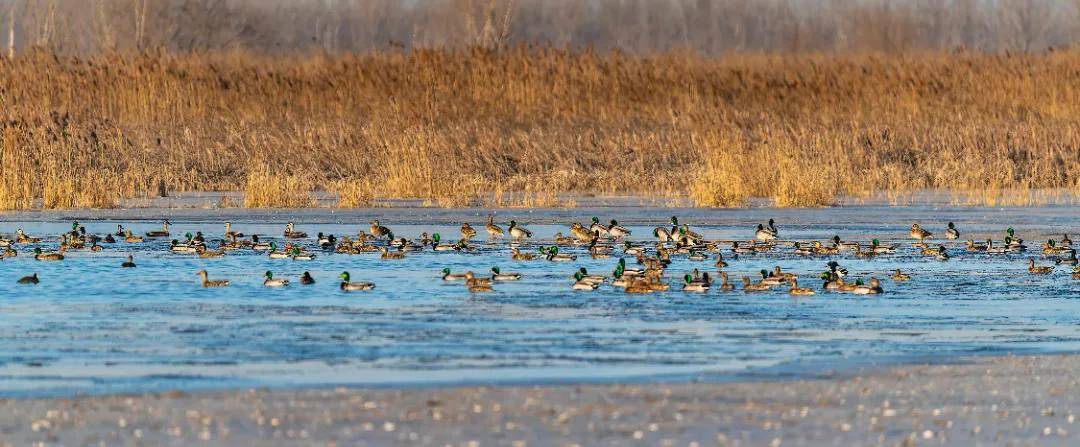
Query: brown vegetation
point(516, 126)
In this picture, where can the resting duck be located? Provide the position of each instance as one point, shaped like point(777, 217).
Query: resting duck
point(207, 283)
point(347, 286)
point(918, 233)
point(291, 233)
point(799, 291)
point(582, 283)
point(900, 276)
point(163, 233)
point(447, 276)
point(498, 275)
point(1040, 269)
point(492, 229)
point(270, 281)
point(32, 279)
point(598, 228)
point(618, 231)
point(518, 231)
point(467, 231)
point(951, 232)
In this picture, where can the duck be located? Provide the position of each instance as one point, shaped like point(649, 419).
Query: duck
point(598, 228)
point(467, 231)
point(1065, 240)
point(632, 250)
point(951, 232)
point(919, 233)
point(803, 250)
point(163, 233)
point(447, 276)
point(876, 247)
point(725, 286)
point(874, 288)
point(347, 286)
point(697, 256)
point(49, 256)
point(131, 238)
point(1038, 269)
point(387, 254)
point(900, 276)
point(720, 262)
point(623, 271)
point(832, 281)
point(834, 267)
point(328, 242)
point(130, 263)
point(378, 230)
point(1014, 245)
point(583, 283)
point(741, 249)
point(493, 230)
point(23, 238)
point(688, 236)
point(109, 239)
point(618, 231)
point(120, 230)
point(939, 252)
point(229, 233)
point(271, 282)
point(258, 245)
point(437, 245)
point(472, 280)
point(585, 276)
point(763, 234)
point(306, 279)
point(207, 254)
point(662, 234)
point(480, 288)
point(207, 283)
point(297, 254)
point(554, 256)
point(498, 275)
point(560, 239)
point(859, 253)
point(580, 232)
point(1069, 259)
point(176, 247)
point(275, 254)
point(9, 252)
point(517, 255)
point(783, 275)
point(753, 287)
point(692, 284)
point(996, 250)
point(771, 279)
point(799, 291)
point(976, 247)
point(291, 233)
point(518, 231)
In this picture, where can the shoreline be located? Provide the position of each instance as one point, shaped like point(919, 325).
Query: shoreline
point(981, 401)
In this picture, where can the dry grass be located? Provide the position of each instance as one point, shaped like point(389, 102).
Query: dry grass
point(526, 126)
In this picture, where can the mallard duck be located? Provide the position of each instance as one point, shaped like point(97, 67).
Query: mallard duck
point(741, 249)
point(580, 232)
point(753, 287)
point(583, 283)
point(1050, 247)
point(518, 231)
point(347, 286)
point(492, 229)
point(786, 276)
point(621, 267)
point(940, 253)
point(377, 230)
point(632, 250)
point(437, 245)
point(995, 250)
point(560, 239)
point(800, 291)
point(498, 275)
point(691, 284)
point(32, 279)
point(975, 247)
point(832, 281)
point(480, 288)
point(662, 234)
point(720, 262)
point(447, 276)
point(271, 282)
point(900, 276)
point(771, 279)
point(951, 232)
point(163, 233)
point(763, 234)
point(874, 288)
point(517, 255)
point(291, 233)
point(1014, 245)
point(876, 247)
point(638, 285)
point(120, 231)
point(130, 263)
point(697, 256)
point(23, 238)
point(1065, 240)
point(306, 279)
point(834, 268)
point(131, 238)
point(386, 254)
point(275, 254)
point(229, 233)
point(583, 275)
point(467, 231)
point(918, 233)
point(472, 280)
point(215, 283)
point(859, 253)
point(1069, 259)
point(49, 256)
point(618, 231)
point(1038, 270)
point(9, 252)
point(598, 228)
point(554, 255)
point(208, 254)
point(725, 286)
point(258, 245)
point(176, 247)
point(297, 254)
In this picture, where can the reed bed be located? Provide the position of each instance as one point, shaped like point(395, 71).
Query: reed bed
point(525, 126)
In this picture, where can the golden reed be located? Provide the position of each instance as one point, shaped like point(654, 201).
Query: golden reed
point(520, 126)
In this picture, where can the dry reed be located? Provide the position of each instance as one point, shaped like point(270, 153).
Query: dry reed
point(526, 126)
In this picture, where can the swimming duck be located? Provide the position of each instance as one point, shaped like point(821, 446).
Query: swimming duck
point(720, 262)
point(832, 281)
point(23, 238)
point(580, 232)
point(553, 255)
point(617, 231)
point(939, 252)
point(306, 279)
point(229, 233)
point(447, 276)
point(49, 256)
point(698, 256)
point(770, 279)
point(735, 247)
point(472, 280)
point(215, 283)
point(498, 275)
point(386, 254)
point(874, 288)
point(291, 233)
point(800, 291)
point(638, 285)
point(583, 283)
point(632, 250)
point(492, 229)
point(834, 267)
point(131, 238)
point(1050, 247)
point(437, 245)
point(480, 288)
point(176, 247)
point(32, 279)
point(662, 234)
point(467, 231)
point(583, 275)
point(517, 255)
point(753, 287)
point(347, 286)
point(275, 254)
point(1038, 270)
point(377, 230)
point(973, 246)
point(919, 233)
point(725, 286)
point(271, 282)
point(518, 231)
point(9, 253)
point(163, 233)
point(951, 232)
point(130, 262)
point(297, 254)
point(208, 254)
point(598, 228)
point(109, 239)
point(786, 276)
point(1014, 245)
point(859, 253)
point(900, 276)
point(258, 245)
point(120, 231)
point(1069, 259)
point(763, 234)
point(621, 267)
point(692, 284)
point(328, 242)
point(876, 247)
point(1065, 240)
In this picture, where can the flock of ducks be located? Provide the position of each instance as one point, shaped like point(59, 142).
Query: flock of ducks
point(596, 240)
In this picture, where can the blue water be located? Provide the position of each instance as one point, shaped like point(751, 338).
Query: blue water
point(92, 327)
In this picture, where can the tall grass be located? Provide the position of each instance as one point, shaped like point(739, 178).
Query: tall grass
point(524, 126)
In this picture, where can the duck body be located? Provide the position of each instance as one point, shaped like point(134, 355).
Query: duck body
point(492, 229)
point(270, 281)
point(498, 275)
point(306, 279)
point(163, 233)
point(31, 279)
point(357, 286)
point(919, 233)
point(208, 283)
point(518, 231)
point(130, 263)
point(951, 232)
point(291, 233)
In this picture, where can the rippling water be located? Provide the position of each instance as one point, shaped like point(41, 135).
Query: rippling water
point(93, 327)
